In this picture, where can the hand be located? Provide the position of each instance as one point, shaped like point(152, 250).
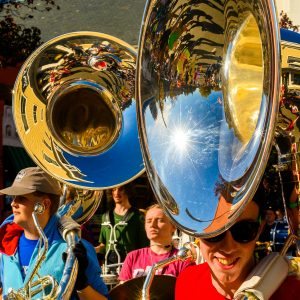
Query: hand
point(81, 255)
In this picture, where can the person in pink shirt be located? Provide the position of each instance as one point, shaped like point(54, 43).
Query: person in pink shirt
point(159, 230)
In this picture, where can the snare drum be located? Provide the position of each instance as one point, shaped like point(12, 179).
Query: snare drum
point(278, 235)
point(110, 280)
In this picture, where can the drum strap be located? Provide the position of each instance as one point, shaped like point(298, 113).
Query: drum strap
point(109, 216)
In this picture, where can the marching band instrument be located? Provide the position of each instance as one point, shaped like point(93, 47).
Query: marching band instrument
point(75, 114)
point(131, 289)
point(79, 204)
point(208, 81)
point(210, 118)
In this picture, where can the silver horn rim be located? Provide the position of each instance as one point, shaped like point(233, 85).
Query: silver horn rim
point(205, 186)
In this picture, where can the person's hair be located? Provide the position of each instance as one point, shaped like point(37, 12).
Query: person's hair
point(156, 205)
point(55, 200)
point(127, 188)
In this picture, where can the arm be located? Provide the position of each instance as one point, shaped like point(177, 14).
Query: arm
point(102, 239)
point(89, 283)
point(100, 248)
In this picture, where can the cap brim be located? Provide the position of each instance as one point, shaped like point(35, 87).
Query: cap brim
point(16, 191)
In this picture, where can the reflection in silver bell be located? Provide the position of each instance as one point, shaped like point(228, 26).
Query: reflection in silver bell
point(207, 89)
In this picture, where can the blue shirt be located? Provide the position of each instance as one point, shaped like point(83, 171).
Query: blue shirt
point(53, 264)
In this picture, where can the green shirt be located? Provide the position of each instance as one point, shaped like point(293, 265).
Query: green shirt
point(129, 237)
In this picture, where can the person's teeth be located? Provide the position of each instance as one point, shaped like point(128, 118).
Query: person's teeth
point(225, 261)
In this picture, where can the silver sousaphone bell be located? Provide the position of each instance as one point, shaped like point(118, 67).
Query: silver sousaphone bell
point(208, 78)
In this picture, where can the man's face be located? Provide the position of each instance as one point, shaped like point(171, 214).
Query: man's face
point(22, 208)
point(119, 195)
point(158, 227)
point(230, 261)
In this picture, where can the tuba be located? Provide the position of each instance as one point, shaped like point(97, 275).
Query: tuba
point(211, 121)
point(209, 113)
point(75, 114)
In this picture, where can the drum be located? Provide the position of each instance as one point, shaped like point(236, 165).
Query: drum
point(162, 288)
point(110, 280)
point(278, 235)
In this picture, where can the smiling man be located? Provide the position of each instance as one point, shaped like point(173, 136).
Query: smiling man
point(229, 259)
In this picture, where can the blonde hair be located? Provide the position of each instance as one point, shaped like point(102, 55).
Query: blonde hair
point(156, 205)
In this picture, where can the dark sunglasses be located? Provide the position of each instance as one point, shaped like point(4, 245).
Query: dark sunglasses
point(242, 232)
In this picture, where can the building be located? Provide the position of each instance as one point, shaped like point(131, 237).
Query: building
point(291, 7)
point(290, 56)
point(290, 45)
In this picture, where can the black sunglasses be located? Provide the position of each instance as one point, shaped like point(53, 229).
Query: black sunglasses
point(242, 232)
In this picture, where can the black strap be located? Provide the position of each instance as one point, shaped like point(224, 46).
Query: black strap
point(109, 216)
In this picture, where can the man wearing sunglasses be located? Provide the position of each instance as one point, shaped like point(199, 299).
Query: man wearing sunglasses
point(229, 259)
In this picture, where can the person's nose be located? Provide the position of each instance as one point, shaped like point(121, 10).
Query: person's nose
point(14, 202)
point(117, 191)
point(228, 242)
point(153, 224)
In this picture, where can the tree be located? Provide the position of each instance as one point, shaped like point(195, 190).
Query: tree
point(286, 23)
point(18, 42)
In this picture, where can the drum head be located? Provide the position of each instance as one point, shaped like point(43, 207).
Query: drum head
point(132, 289)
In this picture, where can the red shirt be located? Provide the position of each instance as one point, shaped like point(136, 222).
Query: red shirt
point(195, 283)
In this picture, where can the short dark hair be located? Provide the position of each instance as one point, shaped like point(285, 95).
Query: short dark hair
point(127, 188)
point(55, 200)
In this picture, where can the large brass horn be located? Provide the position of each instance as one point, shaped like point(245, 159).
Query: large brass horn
point(208, 81)
point(75, 113)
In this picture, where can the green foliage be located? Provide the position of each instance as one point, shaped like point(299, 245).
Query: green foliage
point(17, 41)
point(286, 23)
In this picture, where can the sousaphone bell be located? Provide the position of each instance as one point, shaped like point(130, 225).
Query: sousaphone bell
point(75, 113)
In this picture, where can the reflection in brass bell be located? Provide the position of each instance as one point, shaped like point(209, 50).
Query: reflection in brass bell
point(75, 111)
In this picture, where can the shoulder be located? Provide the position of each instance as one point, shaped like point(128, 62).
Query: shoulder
point(201, 270)
point(289, 289)
point(138, 252)
point(135, 214)
point(194, 279)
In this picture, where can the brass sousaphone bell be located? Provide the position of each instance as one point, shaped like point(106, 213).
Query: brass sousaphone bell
point(75, 113)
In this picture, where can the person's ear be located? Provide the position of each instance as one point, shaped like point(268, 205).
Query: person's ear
point(47, 203)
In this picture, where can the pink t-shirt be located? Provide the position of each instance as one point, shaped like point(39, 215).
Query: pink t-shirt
point(139, 262)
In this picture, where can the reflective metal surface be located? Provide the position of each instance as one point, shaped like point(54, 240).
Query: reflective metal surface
point(207, 89)
point(75, 113)
point(162, 288)
point(79, 204)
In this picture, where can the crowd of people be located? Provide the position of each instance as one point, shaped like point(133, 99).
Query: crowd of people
point(129, 239)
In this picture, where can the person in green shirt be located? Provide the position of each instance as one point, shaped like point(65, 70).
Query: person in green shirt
point(130, 236)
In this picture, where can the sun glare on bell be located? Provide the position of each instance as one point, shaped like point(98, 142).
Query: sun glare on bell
point(180, 139)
